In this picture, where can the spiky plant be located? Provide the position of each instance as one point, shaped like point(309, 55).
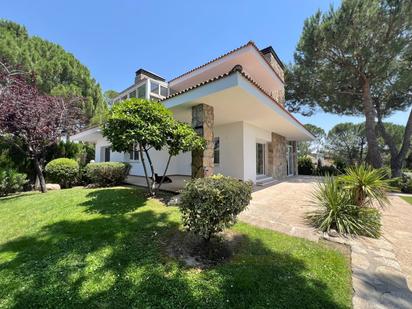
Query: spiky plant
point(337, 211)
point(366, 185)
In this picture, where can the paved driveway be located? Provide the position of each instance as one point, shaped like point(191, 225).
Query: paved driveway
point(381, 268)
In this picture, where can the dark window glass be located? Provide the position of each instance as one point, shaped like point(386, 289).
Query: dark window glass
point(163, 91)
point(141, 91)
point(134, 154)
point(216, 150)
point(107, 154)
point(132, 94)
point(154, 87)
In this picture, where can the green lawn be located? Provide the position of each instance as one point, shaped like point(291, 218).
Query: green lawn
point(106, 248)
point(407, 198)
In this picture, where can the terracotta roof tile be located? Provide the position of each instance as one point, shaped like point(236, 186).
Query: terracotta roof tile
point(238, 68)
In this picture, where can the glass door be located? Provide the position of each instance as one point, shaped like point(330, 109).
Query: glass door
point(289, 158)
point(260, 159)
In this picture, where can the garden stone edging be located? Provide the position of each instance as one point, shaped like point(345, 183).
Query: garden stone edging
point(377, 278)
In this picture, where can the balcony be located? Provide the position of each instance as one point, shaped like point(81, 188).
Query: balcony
point(147, 88)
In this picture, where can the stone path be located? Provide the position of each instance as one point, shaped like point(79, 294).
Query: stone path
point(381, 268)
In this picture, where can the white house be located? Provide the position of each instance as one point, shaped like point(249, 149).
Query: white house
point(236, 102)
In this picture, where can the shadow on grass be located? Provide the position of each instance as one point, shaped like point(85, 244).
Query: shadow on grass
point(118, 261)
point(114, 201)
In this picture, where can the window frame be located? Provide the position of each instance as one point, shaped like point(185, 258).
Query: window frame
point(132, 154)
point(216, 149)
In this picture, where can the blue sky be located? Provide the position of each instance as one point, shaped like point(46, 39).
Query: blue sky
point(115, 38)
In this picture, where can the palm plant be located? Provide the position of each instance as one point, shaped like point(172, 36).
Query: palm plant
point(366, 185)
point(337, 211)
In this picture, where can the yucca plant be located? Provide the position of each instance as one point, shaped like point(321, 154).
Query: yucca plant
point(366, 185)
point(337, 211)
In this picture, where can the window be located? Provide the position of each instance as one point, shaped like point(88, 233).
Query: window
point(163, 91)
point(154, 87)
point(216, 150)
point(134, 154)
point(132, 94)
point(141, 91)
point(105, 154)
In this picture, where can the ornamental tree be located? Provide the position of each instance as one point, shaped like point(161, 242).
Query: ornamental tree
point(345, 56)
point(33, 120)
point(148, 125)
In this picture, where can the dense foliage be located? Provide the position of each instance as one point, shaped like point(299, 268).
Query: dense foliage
point(356, 60)
point(337, 210)
point(63, 171)
point(106, 174)
point(212, 204)
point(11, 181)
point(305, 166)
point(32, 120)
point(127, 128)
point(57, 71)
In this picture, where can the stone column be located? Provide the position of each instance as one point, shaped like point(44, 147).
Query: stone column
point(202, 122)
point(277, 163)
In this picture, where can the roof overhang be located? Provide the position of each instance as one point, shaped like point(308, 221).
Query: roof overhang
point(91, 135)
point(235, 97)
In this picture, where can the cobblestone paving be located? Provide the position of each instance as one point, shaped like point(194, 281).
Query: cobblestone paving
point(381, 268)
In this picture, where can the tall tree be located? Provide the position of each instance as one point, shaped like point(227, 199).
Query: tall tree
point(57, 72)
point(33, 120)
point(316, 146)
point(344, 55)
point(346, 142)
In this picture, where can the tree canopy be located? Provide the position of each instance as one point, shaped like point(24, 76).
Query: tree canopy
point(348, 57)
point(147, 124)
point(57, 71)
point(307, 147)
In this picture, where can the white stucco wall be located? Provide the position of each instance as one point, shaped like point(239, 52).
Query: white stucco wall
point(179, 165)
point(231, 149)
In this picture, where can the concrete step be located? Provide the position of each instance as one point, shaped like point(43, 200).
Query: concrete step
point(264, 181)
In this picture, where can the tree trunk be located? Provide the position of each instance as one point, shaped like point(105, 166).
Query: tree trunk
point(40, 176)
point(149, 188)
point(397, 157)
point(373, 156)
point(164, 174)
point(153, 184)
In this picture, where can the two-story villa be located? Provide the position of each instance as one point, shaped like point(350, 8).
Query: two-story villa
point(236, 102)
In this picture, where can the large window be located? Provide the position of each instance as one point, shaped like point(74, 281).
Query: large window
point(154, 87)
point(132, 94)
point(163, 91)
point(134, 153)
point(141, 91)
point(216, 150)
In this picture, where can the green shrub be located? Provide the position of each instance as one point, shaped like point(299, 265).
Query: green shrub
point(211, 204)
point(366, 185)
point(305, 166)
point(338, 211)
point(11, 181)
point(395, 184)
point(326, 171)
point(107, 173)
point(63, 171)
point(405, 183)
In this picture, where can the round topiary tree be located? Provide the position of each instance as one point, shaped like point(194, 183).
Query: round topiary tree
point(63, 171)
point(211, 204)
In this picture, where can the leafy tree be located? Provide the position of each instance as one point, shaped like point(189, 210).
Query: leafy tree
point(148, 125)
point(345, 58)
point(58, 72)
point(306, 148)
point(346, 142)
point(33, 120)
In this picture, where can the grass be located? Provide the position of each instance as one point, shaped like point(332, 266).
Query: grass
point(106, 248)
point(407, 198)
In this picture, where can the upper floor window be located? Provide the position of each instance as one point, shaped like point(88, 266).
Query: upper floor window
point(163, 91)
point(154, 87)
point(141, 91)
point(132, 94)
